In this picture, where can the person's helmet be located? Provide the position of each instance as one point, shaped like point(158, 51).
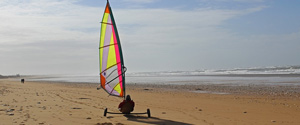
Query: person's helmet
point(128, 98)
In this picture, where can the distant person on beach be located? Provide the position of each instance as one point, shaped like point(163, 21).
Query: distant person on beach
point(22, 80)
point(127, 105)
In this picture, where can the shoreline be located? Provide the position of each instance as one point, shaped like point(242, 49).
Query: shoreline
point(222, 75)
point(284, 90)
point(291, 91)
point(268, 90)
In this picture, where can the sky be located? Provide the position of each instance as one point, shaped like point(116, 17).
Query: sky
point(62, 36)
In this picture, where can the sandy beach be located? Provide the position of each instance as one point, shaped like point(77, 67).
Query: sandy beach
point(49, 103)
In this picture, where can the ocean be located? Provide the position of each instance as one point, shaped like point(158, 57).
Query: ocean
point(284, 75)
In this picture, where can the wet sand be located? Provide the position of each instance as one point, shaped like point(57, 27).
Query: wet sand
point(73, 103)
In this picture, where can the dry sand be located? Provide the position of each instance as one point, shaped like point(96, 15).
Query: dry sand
point(47, 103)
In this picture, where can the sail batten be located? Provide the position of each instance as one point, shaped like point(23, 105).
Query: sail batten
point(112, 73)
point(106, 23)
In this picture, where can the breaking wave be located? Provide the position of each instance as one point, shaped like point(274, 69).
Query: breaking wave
point(236, 71)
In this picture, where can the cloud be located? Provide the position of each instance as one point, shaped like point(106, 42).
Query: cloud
point(166, 25)
point(171, 36)
point(61, 36)
point(43, 34)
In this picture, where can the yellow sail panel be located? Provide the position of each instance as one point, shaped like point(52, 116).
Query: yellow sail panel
point(112, 59)
point(102, 36)
point(118, 88)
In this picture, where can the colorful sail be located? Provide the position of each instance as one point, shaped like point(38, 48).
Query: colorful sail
point(112, 70)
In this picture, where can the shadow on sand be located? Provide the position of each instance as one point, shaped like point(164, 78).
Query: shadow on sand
point(153, 120)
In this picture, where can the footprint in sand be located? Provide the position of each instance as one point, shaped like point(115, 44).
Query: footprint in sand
point(21, 108)
point(76, 108)
point(105, 123)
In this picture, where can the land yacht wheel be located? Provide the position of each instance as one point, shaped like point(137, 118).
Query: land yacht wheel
point(148, 112)
point(105, 112)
